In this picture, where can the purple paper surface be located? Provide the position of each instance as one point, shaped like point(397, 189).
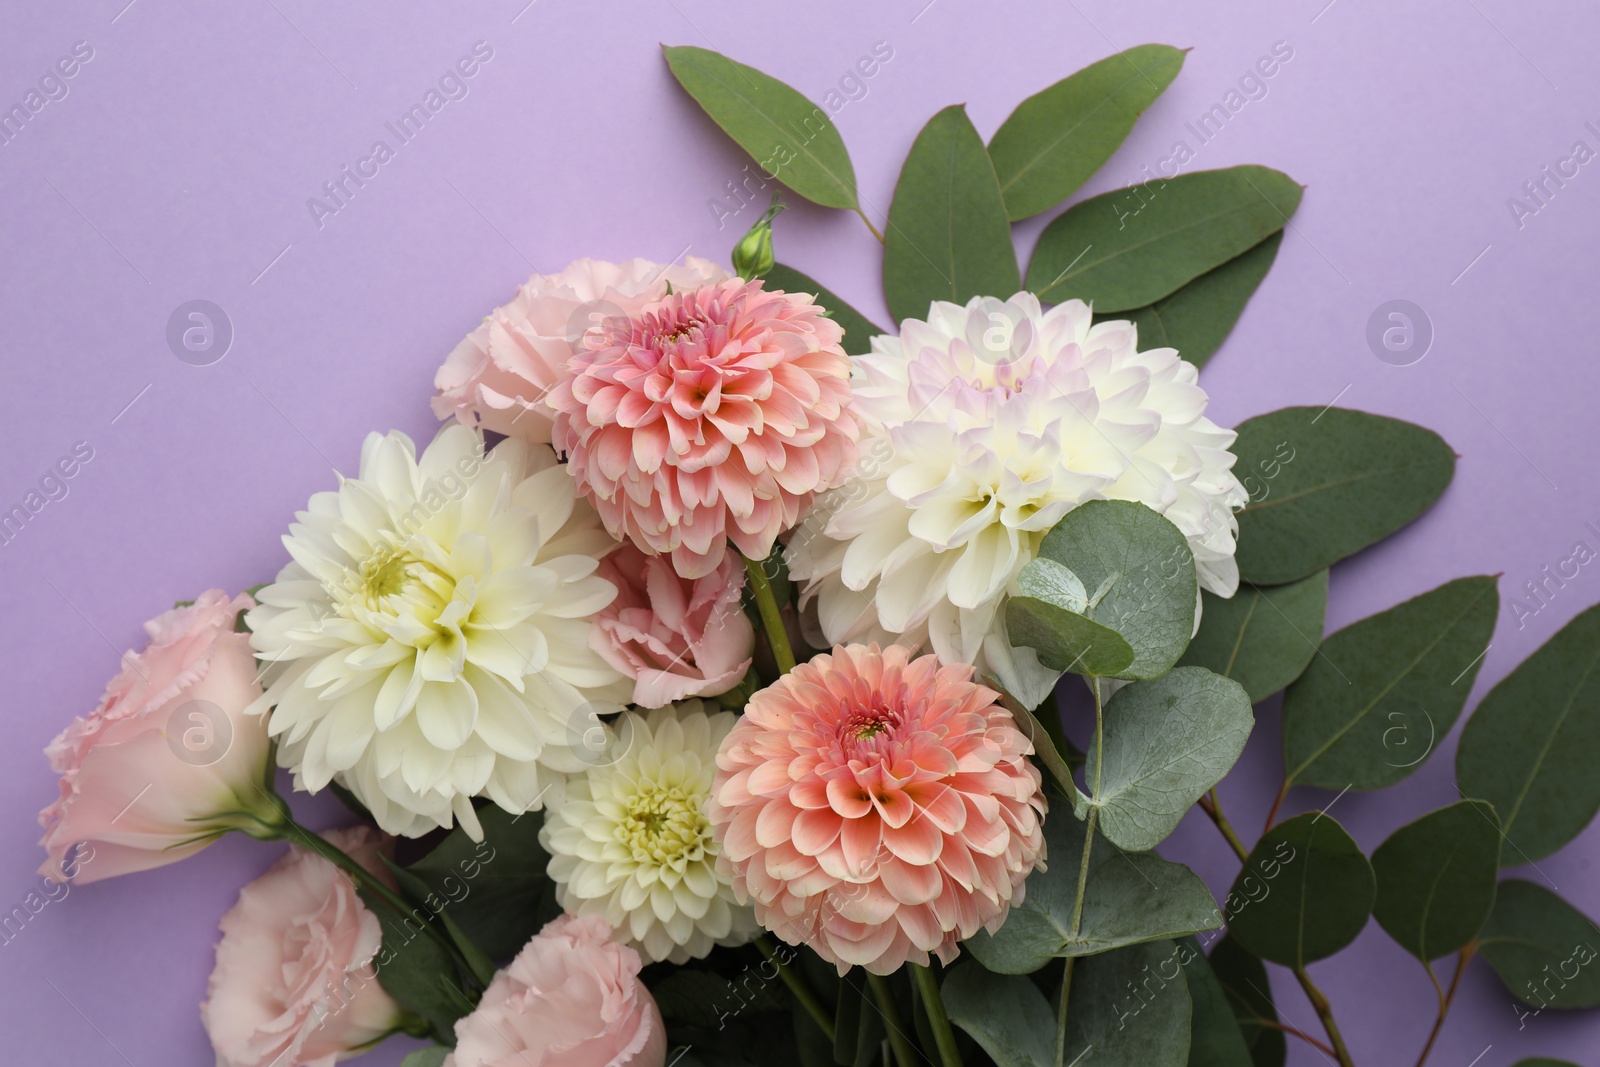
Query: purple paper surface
point(179, 161)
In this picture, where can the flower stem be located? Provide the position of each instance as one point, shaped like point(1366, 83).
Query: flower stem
point(1211, 804)
point(904, 1054)
point(275, 823)
point(771, 617)
point(938, 1020)
point(1061, 1020)
point(1325, 1013)
point(1446, 998)
point(797, 985)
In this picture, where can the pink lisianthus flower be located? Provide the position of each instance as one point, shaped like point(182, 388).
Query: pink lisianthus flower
point(498, 375)
point(571, 998)
point(168, 761)
point(877, 807)
point(712, 416)
point(675, 637)
point(295, 984)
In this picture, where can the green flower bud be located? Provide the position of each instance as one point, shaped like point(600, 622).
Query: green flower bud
point(752, 256)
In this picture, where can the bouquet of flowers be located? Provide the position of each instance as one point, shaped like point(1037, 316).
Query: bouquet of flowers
point(694, 690)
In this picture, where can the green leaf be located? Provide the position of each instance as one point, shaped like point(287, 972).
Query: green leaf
point(1005, 1014)
point(1215, 1039)
point(1046, 615)
point(858, 329)
point(793, 139)
point(426, 1057)
point(1129, 897)
point(1132, 247)
point(1304, 893)
point(413, 968)
point(948, 236)
point(1384, 690)
point(857, 1027)
point(1436, 879)
point(1057, 138)
point(692, 996)
point(1197, 318)
point(1531, 747)
point(417, 890)
point(1244, 980)
point(496, 891)
point(1166, 741)
point(812, 1046)
point(1139, 573)
point(1131, 1006)
point(1325, 483)
point(1542, 948)
point(1263, 636)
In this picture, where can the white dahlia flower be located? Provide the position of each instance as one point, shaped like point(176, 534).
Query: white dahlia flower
point(982, 427)
point(429, 643)
point(631, 842)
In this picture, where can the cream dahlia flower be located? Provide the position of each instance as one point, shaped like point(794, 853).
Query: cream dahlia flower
point(430, 641)
point(631, 842)
point(982, 427)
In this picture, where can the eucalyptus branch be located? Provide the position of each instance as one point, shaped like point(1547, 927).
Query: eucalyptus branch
point(1094, 806)
point(1446, 998)
point(1324, 1012)
point(1083, 864)
point(870, 226)
point(1211, 804)
point(1277, 802)
point(1061, 1019)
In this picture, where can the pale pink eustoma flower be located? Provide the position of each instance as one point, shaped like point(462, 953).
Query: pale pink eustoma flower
point(571, 998)
point(498, 375)
point(295, 984)
point(712, 416)
point(878, 807)
point(675, 637)
point(168, 760)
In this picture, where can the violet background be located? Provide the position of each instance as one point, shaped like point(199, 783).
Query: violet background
point(180, 165)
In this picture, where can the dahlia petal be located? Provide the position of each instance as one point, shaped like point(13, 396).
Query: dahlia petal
point(814, 831)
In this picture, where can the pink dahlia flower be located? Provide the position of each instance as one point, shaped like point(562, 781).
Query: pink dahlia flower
point(877, 807)
point(675, 637)
point(713, 415)
point(497, 377)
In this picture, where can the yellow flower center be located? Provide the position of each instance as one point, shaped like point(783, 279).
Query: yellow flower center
point(665, 824)
point(384, 574)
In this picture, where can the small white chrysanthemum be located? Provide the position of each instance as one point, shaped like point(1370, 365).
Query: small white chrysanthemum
point(983, 426)
point(430, 641)
point(631, 842)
